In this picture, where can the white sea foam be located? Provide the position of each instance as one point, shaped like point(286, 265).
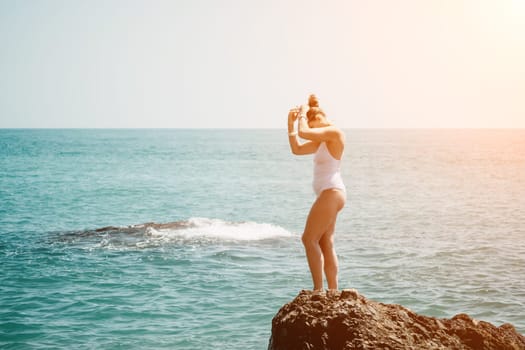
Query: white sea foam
point(191, 231)
point(198, 229)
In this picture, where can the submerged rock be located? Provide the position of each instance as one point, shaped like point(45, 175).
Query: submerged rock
point(347, 320)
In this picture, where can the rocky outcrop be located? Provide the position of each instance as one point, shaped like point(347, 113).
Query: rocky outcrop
point(347, 320)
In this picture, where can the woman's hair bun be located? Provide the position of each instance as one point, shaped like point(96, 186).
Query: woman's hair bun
point(313, 101)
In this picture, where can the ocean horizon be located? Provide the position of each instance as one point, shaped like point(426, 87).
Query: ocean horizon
point(434, 221)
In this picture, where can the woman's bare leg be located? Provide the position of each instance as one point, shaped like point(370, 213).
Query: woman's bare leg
point(330, 258)
point(322, 216)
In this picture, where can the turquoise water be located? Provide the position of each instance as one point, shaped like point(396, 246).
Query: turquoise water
point(435, 220)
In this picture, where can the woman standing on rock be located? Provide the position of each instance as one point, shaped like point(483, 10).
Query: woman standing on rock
point(327, 142)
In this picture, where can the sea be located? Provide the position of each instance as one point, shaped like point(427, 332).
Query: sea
point(434, 221)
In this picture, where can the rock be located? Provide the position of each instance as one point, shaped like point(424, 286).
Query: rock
point(346, 320)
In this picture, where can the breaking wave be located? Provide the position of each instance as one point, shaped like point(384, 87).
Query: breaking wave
point(192, 231)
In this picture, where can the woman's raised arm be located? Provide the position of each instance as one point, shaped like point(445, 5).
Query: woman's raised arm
point(320, 134)
point(308, 147)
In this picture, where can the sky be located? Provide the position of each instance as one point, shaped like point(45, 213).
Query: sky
point(244, 63)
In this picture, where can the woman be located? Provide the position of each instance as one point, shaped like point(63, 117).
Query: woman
point(327, 142)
